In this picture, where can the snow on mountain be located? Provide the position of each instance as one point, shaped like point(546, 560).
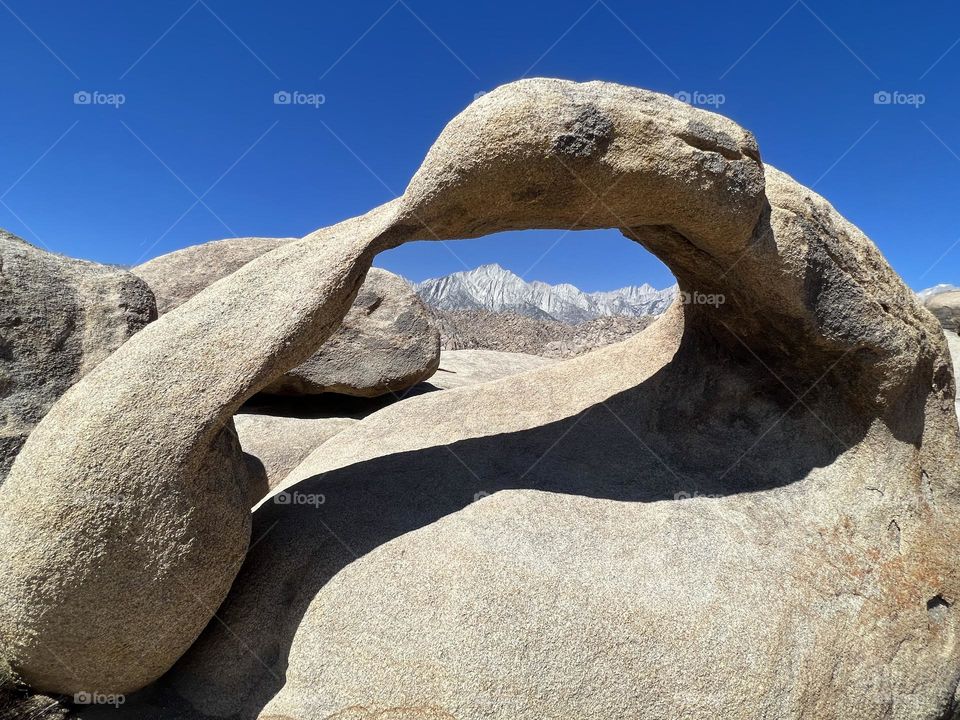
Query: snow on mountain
point(936, 290)
point(493, 288)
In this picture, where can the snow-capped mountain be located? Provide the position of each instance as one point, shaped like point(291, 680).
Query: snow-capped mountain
point(493, 288)
point(924, 295)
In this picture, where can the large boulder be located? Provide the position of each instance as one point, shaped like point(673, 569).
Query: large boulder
point(749, 510)
point(386, 343)
point(59, 318)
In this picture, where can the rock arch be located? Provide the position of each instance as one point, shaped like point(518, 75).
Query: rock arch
point(123, 517)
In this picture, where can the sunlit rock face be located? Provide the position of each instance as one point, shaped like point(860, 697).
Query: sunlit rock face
point(748, 510)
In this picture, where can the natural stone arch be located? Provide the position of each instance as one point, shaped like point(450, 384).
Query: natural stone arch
point(146, 437)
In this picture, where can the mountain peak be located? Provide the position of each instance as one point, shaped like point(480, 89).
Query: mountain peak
point(491, 270)
point(489, 267)
point(495, 288)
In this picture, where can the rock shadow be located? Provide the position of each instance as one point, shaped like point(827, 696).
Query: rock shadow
point(706, 424)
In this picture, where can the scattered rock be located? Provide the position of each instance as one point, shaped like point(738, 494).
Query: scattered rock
point(515, 333)
point(59, 318)
point(459, 368)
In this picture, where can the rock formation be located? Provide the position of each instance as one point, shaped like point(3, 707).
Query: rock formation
point(385, 344)
point(282, 443)
point(179, 275)
point(59, 317)
point(130, 498)
point(749, 510)
point(460, 368)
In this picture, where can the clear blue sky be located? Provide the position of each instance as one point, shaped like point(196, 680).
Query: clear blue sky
point(121, 184)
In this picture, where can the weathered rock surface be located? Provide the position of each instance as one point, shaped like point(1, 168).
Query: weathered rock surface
point(179, 275)
point(125, 516)
point(386, 342)
point(814, 406)
point(460, 368)
point(946, 307)
point(282, 443)
point(59, 318)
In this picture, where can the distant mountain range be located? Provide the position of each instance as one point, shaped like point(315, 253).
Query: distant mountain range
point(496, 289)
point(940, 289)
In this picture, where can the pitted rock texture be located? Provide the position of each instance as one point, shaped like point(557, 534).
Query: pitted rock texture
point(386, 343)
point(526, 548)
point(59, 318)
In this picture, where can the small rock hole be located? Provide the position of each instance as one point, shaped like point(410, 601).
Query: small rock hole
point(937, 607)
